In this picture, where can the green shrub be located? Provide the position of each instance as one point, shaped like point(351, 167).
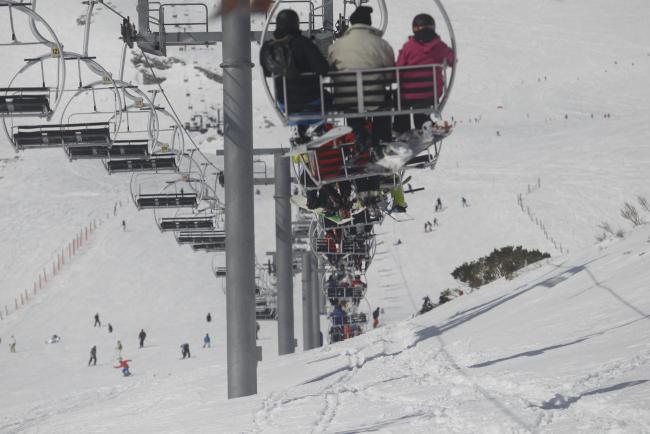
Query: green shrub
point(503, 262)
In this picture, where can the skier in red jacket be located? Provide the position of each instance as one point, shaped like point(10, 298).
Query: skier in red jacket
point(124, 365)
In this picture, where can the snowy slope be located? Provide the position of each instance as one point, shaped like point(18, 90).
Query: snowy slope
point(561, 348)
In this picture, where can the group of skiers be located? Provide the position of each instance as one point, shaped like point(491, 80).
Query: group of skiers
point(428, 226)
point(123, 363)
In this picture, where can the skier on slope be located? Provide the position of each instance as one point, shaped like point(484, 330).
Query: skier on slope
point(426, 305)
point(206, 341)
point(124, 365)
point(142, 336)
point(93, 356)
point(97, 322)
point(185, 350)
point(375, 318)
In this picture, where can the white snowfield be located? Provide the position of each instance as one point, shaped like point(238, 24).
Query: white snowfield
point(564, 347)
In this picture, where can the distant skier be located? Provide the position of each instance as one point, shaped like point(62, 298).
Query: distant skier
point(426, 305)
point(97, 322)
point(257, 330)
point(93, 356)
point(119, 348)
point(438, 205)
point(185, 350)
point(375, 318)
point(464, 202)
point(206, 341)
point(208, 318)
point(110, 328)
point(12, 345)
point(435, 222)
point(142, 336)
point(123, 226)
point(54, 339)
point(124, 365)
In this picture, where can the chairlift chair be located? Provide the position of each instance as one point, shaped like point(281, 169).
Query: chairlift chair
point(199, 223)
point(203, 237)
point(209, 247)
point(46, 136)
point(42, 101)
point(343, 84)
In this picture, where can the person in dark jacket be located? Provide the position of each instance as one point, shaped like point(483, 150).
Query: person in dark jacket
point(185, 350)
point(208, 318)
point(142, 336)
point(375, 318)
point(110, 328)
point(303, 91)
point(97, 322)
point(417, 86)
point(93, 356)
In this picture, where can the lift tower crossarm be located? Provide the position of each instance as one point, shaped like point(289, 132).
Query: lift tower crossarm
point(156, 43)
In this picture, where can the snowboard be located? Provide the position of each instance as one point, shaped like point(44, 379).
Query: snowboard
point(404, 148)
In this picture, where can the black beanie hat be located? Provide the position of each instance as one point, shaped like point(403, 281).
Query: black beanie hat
point(287, 23)
point(362, 15)
point(424, 20)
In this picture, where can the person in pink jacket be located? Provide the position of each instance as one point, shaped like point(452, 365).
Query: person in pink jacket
point(423, 48)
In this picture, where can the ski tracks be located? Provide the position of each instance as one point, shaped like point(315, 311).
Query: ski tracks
point(38, 415)
point(333, 392)
point(279, 408)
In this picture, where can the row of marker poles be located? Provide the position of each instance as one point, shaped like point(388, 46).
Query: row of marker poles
point(57, 265)
point(526, 209)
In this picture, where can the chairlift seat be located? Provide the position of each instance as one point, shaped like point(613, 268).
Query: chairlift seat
point(207, 237)
point(355, 318)
point(346, 292)
point(166, 200)
point(48, 136)
point(266, 314)
point(25, 105)
point(390, 91)
point(186, 224)
point(210, 247)
point(346, 247)
point(153, 163)
point(119, 148)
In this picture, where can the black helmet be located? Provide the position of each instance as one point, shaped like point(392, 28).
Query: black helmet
point(287, 23)
point(424, 20)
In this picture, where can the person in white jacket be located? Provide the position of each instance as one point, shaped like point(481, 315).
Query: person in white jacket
point(362, 47)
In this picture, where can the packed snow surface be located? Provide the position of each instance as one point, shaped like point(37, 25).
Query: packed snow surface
point(551, 105)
